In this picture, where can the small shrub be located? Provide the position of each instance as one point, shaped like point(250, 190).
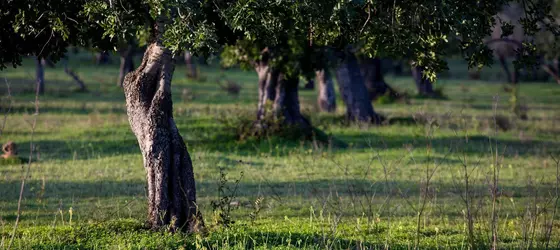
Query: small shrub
point(393, 97)
point(437, 94)
point(230, 87)
point(503, 123)
point(11, 161)
point(187, 95)
point(223, 206)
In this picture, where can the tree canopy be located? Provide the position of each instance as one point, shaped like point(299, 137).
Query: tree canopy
point(418, 30)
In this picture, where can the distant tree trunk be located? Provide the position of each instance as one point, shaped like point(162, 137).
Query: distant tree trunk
point(354, 92)
point(553, 70)
point(169, 170)
point(191, 65)
point(512, 78)
point(127, 63)
point(40, 76)
point(398, 67)
point(47, 62)
point(423, 85)
point(373, 77)
point(267, 88)
point(286, 103)
point(310, 84)
point(282, 93)
point(81, 85)
point(102, 58)
point(326, 98)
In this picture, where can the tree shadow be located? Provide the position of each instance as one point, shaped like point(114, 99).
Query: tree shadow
point(351, 187)
point(474, 145)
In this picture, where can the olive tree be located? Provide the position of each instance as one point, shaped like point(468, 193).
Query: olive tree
point(280, 34)
point(281, 42)
point(101, 24)
point(423, 31)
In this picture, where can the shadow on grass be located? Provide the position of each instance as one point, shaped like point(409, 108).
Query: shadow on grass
point(120, 141)
point(477, 145)
point(133, 234)
point(351, 187)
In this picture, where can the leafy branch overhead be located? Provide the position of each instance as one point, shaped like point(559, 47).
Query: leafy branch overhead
point(421, 31)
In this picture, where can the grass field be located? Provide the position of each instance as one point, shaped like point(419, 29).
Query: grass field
point(398, 185)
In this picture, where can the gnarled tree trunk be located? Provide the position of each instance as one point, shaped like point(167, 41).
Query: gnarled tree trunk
point(282, 93)
point(169, 170)
point(286, 102)
point(191, 65)
point(373, 77)
point(423, 85)
point(354, 92)
point(326, 98)
point(40, 76)
point(127, 63)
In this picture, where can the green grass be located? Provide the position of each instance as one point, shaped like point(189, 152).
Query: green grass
point(363, 194)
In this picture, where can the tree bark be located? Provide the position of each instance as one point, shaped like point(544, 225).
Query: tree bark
point(423, 85)
point(191, 65)
point(127, 63)
point(267, 88)
point(168, 166)
point(326, 98)
point(286, 103)
point(373, 78)
point(40, 76)
point(354, 92)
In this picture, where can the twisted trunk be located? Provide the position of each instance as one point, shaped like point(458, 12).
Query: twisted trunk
point(423, 85)
point(168, 166)
point(354, 92)
point(326, 98)
point(40, 76)
point(191, 66)
point(127, 63)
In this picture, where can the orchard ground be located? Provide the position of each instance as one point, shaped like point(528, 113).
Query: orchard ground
point(367, 190)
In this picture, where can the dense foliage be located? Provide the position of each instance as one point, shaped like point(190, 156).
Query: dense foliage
point(297, 32)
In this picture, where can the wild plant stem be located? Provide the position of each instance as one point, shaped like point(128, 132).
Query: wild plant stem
point(495, 173)
point(556, 198)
